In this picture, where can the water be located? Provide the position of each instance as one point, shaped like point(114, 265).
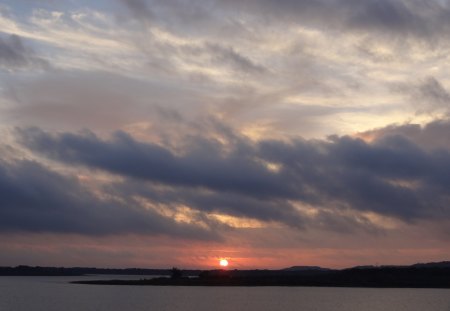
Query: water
point(55, 294)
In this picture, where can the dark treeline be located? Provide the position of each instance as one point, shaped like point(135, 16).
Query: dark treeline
point(79, 271)
point(416, 276)
point(428, 275)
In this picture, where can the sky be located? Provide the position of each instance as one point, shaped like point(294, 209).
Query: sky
point(155, 133)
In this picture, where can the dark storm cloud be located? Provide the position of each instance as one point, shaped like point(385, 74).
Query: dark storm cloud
point(391, 176)
point(36, 199)
point(15, 55)
point(352, 174)
point(204, 165)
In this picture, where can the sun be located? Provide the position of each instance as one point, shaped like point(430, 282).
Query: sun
point(223, 263)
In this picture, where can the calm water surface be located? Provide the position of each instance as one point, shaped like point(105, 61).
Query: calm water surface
point(55, 294)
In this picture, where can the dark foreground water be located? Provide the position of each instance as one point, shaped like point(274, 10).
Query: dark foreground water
point(55, 294)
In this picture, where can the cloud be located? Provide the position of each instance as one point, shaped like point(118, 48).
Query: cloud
point(210, 202)
point(422, 20)
point(15, 55)
point(290, 79)
point(139, 9)
point(203, 165)
point(36, 199)
point(190, 58)
point(77, 99)
point(392, 175)
point(426, 21)
point(433, 96)
point(229, 56)
point(427, 96)
point(393, 16)
point(431, 137)
point(207, 100)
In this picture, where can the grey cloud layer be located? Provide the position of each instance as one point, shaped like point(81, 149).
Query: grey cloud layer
point(203, 166)
point(36, 199)
point(271, 67)
point(391, 176)
point(432, 136)
point(417, 18)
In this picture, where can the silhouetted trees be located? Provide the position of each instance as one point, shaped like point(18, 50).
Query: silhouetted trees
point(176, 273)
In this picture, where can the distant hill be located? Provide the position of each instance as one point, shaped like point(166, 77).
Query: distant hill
point(380, 277)
point(306, 268)
point(294, 270)
point(442, 264)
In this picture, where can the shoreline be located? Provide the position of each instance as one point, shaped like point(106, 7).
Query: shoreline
point(358, 278)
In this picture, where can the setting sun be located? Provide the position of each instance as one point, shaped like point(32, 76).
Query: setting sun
point(223, 263)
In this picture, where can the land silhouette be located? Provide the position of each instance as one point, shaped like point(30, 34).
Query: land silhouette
point(80, 271)
point(424, 275)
